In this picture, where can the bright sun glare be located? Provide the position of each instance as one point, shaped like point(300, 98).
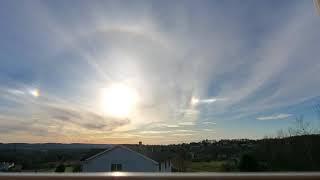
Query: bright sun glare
point(118, 100)
point(34, 92)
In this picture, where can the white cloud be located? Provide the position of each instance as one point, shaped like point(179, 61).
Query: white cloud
point(186, 123)
point(49, 116)
point(208, 122)
point(16, 91)
point(274, 117)
point(171, 126)
point(196, 101)
point(184, 130)
point(182, 134)
point(208, 101)
point(188, 111)
point(164, 125)
point(281, 51)
point(154, 132)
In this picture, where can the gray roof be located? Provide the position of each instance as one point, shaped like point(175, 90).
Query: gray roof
point(119, 146)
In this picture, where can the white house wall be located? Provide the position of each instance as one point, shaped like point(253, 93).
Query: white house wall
point(131, 162)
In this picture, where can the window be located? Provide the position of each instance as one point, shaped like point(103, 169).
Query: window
point(116, 167)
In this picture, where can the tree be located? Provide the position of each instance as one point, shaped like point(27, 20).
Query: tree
point(77, 168)
point(248, 163)
point(205, 142)
point(317, 109)
point(301, 127)
point(179, 164)
point(60, 168)
point(281, 134)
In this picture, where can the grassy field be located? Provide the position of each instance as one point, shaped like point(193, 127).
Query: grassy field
point(69, 169)
point(213, 166)
point(47, 170)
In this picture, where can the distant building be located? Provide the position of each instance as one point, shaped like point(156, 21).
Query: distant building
point(5, 166)
point(120, 158)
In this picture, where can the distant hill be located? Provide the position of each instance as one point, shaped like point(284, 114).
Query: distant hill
point(48, 146)
point(295, 153)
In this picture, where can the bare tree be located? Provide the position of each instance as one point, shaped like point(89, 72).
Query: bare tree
point(301, 127)
point(317, 110)
point(281, 134)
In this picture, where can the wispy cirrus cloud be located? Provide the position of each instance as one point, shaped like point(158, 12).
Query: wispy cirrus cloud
point(184, 130)
point(164, 125)
point(197, 101)
point(188, 63)
point(154, 132)
point(209, 130)
point(182, 134)
point(187, 123)
point(274, 117)
point(209, 123)
point(44, 115)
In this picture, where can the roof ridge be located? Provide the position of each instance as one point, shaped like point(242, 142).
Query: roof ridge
point(98, 154)
point(144, 156)
point(119, 146)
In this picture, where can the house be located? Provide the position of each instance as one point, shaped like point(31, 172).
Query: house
point(5, 166)
point(119, 158)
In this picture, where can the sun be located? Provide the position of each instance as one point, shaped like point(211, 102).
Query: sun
point(118, 100)
point(35, 92)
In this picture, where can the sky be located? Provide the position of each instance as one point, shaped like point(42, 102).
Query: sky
point(159, 72)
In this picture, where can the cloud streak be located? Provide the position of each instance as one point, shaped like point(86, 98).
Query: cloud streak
point(274, 117)
point(209, 123)
point(47, 116)
point(186, 123)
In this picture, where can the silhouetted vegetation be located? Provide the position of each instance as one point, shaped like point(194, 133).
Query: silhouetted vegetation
point(248, 163)
point(60, 168)
point(41, 159)
point(77, 168)
point(286, 153)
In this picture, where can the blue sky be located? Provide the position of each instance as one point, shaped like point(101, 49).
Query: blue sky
point(183, 70)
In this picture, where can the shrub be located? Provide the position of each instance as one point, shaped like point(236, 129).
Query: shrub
point(60, 168)
point(248, 163)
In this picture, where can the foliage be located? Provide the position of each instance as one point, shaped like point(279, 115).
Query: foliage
point(301, 127)
point(213, 166)
point(77, 168)
point(295, 153)
point(248, 163)
point(60, 168)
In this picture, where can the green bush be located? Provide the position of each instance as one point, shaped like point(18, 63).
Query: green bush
point(60, 168)
point(248, 163)
point(77, 168)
